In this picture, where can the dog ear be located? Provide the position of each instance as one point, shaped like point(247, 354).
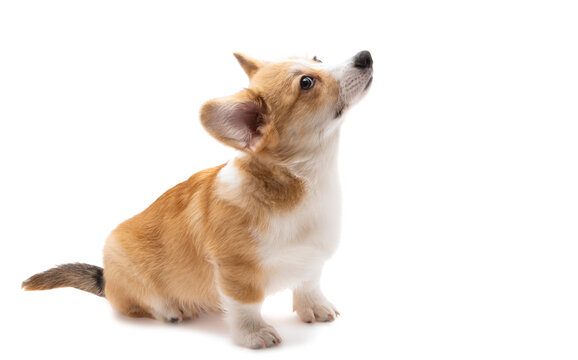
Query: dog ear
point(236, 120)
point(248, 64)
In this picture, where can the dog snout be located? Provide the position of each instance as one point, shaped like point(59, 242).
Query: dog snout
point(363, 60)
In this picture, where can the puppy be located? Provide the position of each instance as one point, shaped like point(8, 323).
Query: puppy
point(230, 235)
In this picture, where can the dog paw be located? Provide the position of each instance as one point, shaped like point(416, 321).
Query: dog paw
point(312, 307)
point(317, 313)
point(258, 338)
point(165, 312)
point(175, 319)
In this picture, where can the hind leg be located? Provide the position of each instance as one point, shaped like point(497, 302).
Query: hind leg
point(131, 298)
point(124, 292)
point(123, 300)
point(155, 310)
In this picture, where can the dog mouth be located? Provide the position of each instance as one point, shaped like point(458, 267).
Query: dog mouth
point(368, 83)
point(344, 106)
point(340, 111)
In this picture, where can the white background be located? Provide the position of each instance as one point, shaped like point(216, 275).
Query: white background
point(459, 169)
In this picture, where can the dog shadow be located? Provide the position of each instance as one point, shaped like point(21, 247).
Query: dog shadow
point(292, 330)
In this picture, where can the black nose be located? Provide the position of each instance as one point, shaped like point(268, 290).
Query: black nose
point(363, 60)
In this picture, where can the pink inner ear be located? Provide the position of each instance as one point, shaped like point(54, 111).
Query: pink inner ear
point(251, 118)
point(235, 120)
point(243, 121)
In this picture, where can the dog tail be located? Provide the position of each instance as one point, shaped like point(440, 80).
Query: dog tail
point(80, 276)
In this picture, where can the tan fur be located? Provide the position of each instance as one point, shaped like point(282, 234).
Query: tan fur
point(249, 65)
point(168, 252)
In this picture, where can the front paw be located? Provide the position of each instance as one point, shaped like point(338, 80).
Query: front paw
point(264, 336)
point(314, 309)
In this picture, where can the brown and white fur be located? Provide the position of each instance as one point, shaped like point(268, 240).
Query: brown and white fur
point(230, 235)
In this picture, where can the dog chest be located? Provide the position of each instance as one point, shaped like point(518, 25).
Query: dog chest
point(296, 244)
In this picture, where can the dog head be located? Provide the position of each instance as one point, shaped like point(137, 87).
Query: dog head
point(291, 106)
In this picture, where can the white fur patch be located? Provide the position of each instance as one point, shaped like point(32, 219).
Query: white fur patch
point(229, 181)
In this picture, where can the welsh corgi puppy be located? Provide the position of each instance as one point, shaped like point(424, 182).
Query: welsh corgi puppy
point(264, 221)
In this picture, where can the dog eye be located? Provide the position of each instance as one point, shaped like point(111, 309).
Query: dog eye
point(316, 59)
point(307, 82)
